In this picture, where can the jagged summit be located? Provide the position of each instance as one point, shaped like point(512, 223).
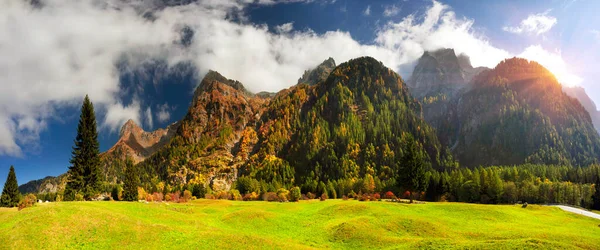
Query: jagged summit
point(128, 127)
point(441, 73)
point(319, 73)
point(213, 77)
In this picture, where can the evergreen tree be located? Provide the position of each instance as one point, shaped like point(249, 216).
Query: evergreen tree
point(10, 194)
point(412, 175)
point(84, 172)
point(132, 180)
point(596, 197)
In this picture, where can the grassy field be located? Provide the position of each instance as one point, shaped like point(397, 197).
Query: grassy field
point(213, 224)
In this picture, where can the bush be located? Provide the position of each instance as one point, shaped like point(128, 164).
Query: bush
point(310, 195)
point(187, 196)
point(250, 197)
point(158, 197)
point(209, 196)
point(141, 193)
point(26, 202)
point(344, 197)
point(223, 195)
point(524, 205)
point(173, 197)
point(295, 194)
point(283, 194)
point(389, 195)
point(270, 196)
point(79, 197)
point(363, 197)
point(375, 197)
point(149, 198)
point(324, 197)
point(234, 194)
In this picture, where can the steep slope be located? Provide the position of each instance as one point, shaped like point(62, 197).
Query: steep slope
point(49, 184)
point(518, 113)
point(589, 105)
point(214, 137)
point(438, 81)
point(134, 143)
point(441, 74)
point(353, 124)
point(319, 73)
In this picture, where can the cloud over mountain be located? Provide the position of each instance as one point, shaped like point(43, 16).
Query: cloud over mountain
point(55, 53)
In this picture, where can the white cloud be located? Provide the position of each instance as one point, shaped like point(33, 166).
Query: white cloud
point(534, 24)
point(391, 10)
point(54, 55)
point(552, 61)
point(148, 118)
point(117, 115)
point(164, 113)
point(285, 28)
point(367, 11)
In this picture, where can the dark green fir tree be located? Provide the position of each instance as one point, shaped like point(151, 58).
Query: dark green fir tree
point(10, 194)
point(132, 180)
point(84, 172)
point(596, 197)
point(412, 174)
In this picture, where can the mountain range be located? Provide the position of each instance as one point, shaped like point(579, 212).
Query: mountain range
point(351, 120)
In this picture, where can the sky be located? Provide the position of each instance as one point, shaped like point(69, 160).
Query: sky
point(142, 59)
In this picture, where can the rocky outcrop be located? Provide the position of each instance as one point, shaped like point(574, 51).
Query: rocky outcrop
point(319, 73)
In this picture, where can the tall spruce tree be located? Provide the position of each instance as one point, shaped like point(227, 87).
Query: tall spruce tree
point(84, 172)
point(412, 174)
point(10, 194)
point(596, 197)
point(132, 180)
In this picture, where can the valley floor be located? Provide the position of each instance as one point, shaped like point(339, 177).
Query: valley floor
point(212, 224)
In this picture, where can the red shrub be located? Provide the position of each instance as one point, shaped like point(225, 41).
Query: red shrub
point(209, 197)
point(345, 198)
point(323, 197)
point(389, 195)
point(187, 196)
point(375, 197)
point(406, 195)
point(310, 195)
point(175, 197)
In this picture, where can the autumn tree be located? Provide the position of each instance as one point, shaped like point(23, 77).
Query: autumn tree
point(84, 172)
point(10, 194)
point(412, 174)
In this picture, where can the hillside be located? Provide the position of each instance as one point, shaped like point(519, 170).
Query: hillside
point(580, 94)
point(353, 124)
point(513, 114)
point(213, 139)
point(336, 224)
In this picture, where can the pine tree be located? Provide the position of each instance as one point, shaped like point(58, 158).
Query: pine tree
point(412, 175)
point(132, 180)
point(10, 194)
point(596, 197)
point(84, 172)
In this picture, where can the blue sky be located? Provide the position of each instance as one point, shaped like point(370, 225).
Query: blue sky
point(134, 68)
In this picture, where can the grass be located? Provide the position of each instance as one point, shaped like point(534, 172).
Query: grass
point(209, 224)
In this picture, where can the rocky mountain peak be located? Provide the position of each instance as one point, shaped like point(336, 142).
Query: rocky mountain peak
point(129, 127)
point(319, 73)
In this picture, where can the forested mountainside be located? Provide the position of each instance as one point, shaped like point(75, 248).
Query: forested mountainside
point(355, 123)
point(580, 94)
point(513, 114)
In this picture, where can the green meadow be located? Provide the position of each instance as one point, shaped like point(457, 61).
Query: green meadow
point(209, 224)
